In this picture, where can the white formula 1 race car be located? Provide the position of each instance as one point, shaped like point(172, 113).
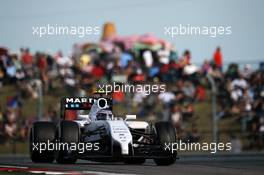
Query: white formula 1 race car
point(99, 136)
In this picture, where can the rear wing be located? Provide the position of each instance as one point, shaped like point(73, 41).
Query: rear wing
point(84, 103)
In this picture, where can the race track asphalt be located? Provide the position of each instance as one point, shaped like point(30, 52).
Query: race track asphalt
point(241, 164)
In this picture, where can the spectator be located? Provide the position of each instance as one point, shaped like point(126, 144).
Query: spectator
point(187, 111)
point(239, 82)
point(176, 117)
point(189, 91)
point(27, 58)
point(246, 72)
point(206, 67)
point(218, 59)
point(11, 126)
point(200, 94)
point(186, 59)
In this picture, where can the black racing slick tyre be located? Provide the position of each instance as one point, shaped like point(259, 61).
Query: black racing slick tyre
point(41, 134)
point(166, 134)
point(68, 133)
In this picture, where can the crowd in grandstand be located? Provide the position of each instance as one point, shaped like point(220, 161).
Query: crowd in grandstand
point(240, 92)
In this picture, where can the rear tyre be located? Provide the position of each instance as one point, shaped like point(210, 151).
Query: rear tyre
point(42, 133)
point(68, 133)
point(165, 134)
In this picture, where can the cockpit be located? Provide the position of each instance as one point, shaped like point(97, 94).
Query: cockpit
point(104, 115)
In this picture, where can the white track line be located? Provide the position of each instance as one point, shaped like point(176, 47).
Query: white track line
point(52, 172)
point(76, 172)
point(63, 172)
point(104, 173)
point(11, 166)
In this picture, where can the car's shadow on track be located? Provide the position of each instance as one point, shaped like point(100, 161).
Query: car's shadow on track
point(147, 164)
point(113, 164)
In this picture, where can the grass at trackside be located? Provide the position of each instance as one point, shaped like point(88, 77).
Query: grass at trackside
point(202, 117)
point(14, 148)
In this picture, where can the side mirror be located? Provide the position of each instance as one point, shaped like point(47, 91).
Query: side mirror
point(131, 117)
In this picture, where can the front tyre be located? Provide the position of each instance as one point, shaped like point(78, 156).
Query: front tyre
point(166, 134)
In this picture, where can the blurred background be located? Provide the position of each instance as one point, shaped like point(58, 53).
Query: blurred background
point(214, 86)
